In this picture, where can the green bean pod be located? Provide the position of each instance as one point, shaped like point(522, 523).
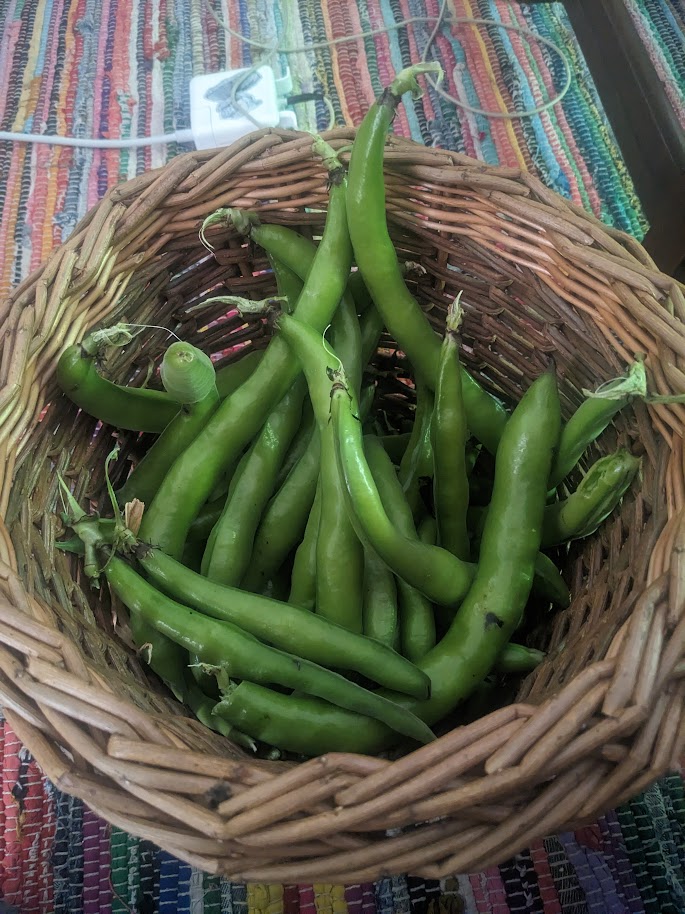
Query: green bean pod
point(582, 512)
point(494, 605)
point(548, 582)
point(226, 646)
point(282, 244)
point(204, 679)
point(202, 706)
point(202, 526)
point(449, 435)
point(347, 341)
point(236, 528)
point(417, 460)
point(371, 327)
point(517, 658)
point(240, 417)
point(164, 657)
point(131, 408)
point(360, 294)
point(146, 477)
point(284, 524)
point(289, 248)
point(264, 459)
point(597, 495)
point(301, 443)
point(285, 518)
point(374, 250)
point(231, 376)
point(170, 662)
point(187, 373)
point(211, 539)
point(288, 282)
point(189, 376)
point(303, 577)
point(427, 530)
point(380, 615)
point(366, 401)
point(417, 624)
point(375, 255)
point(297, 723)
point(486, 415)
point(339, 553)
point(592, 417)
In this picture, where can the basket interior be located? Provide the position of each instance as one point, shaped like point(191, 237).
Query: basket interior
point(514, 323)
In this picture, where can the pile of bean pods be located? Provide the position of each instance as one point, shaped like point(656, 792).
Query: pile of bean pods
point(304, 573)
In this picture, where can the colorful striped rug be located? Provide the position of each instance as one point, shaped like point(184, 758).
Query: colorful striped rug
point(121, 67)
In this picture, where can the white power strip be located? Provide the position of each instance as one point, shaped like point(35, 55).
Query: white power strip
point(216, 121)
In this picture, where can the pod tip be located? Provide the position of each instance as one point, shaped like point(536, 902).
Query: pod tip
point(455, 315)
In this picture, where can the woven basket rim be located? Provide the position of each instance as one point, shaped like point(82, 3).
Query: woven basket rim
point(611, 730)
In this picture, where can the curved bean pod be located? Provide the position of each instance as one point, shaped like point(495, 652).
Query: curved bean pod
point(592, 417)
point(285, 518)
point(433, 571)
point(287, 627)
point(231, 376)
point(375, 254)
point(339, 553)
point(517, 658)
point(597, 495)
point(132, 408)
point(380, 601)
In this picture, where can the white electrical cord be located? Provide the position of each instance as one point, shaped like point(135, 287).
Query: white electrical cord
point(181, 136)
point(443, 17)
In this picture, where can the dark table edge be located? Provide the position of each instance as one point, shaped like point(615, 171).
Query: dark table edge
point(644, 122)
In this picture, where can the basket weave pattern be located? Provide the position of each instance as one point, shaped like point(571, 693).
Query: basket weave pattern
point(599, 720)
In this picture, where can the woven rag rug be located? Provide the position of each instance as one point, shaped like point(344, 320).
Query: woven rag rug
point(122, 67)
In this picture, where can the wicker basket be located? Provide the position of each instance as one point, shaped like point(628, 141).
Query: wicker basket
point(596, 723)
